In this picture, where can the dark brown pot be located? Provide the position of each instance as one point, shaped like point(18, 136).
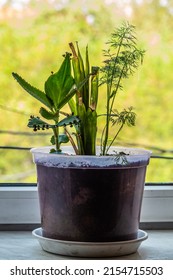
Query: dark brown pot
point(92, 203)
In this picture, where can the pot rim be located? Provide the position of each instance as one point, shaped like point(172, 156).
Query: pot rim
point(120, 156)
point(68, 151)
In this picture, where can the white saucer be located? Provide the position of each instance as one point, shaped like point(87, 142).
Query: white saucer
point(89, 249)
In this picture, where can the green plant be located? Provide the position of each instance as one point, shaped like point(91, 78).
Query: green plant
point(79, 87)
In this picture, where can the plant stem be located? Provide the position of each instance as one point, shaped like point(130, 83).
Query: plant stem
point(110, 103)
point(71, 141)
point(107, 122)
point(56, 134)
point(114, 138)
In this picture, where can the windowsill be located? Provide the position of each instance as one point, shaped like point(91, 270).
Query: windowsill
point(19, 206)
point(21, 245)
point(22, 213)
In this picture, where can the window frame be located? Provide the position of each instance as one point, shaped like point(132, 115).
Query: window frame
point(21, 205)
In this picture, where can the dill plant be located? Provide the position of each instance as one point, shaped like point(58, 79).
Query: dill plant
point(121, 60)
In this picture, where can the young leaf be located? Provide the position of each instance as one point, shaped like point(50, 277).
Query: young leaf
point(52, 140)
point(36, 123)
point(63, 138)
point(47, 114)
point(71, 120)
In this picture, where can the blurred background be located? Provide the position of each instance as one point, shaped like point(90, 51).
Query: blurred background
point(33, 37)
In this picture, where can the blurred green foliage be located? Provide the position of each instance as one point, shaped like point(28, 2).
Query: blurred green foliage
point(32, 40)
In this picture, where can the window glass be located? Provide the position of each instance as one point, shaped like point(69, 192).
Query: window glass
point(34, 34)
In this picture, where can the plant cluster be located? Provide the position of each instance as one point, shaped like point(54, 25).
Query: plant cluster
point(77, 84)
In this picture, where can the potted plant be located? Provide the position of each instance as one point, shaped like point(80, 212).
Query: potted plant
point(89, 193)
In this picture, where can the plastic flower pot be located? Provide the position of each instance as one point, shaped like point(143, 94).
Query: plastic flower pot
point(91, 198)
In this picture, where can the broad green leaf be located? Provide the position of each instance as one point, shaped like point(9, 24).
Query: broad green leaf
point(68, 96)
point(65, 68)
point(36, 93)
point(72, 91)
point(59, 84)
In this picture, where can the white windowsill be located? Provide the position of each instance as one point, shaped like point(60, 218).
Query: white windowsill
point(19, 245)
point(19, 205)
